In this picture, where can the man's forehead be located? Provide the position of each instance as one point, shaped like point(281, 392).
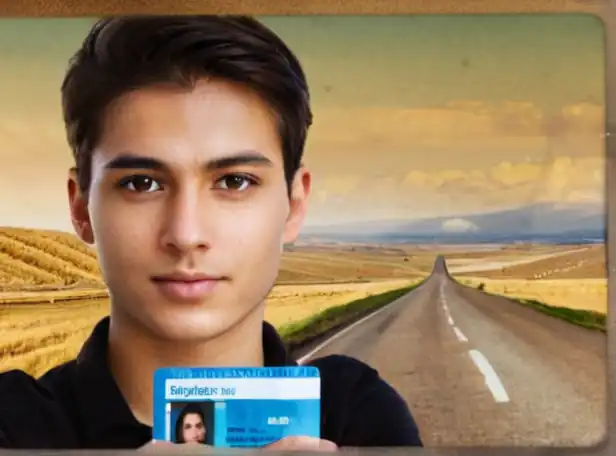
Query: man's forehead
point(176, 136)
point(216, 101)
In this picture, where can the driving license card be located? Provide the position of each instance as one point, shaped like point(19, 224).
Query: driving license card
point(236, 407)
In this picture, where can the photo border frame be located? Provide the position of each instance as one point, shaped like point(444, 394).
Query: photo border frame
point(603, 9)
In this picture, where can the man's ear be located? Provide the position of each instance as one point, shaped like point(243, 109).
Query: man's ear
point(298, 204)
point(78, 204)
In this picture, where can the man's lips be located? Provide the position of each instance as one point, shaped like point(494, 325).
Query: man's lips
point(186, 276)
point(187, 286)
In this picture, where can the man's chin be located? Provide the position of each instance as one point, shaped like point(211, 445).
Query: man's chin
point(188, 331)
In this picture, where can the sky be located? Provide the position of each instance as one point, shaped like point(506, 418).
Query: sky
point(415, 116)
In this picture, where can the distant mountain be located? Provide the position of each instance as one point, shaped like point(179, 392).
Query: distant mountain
point(547, 222)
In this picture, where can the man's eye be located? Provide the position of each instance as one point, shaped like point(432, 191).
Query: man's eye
point(140, 184)
point(237, 182)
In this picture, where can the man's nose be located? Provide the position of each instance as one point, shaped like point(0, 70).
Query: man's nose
point(184, 225)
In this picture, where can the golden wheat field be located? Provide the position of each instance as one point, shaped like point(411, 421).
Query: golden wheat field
point(31, 259)
point(576, 279)
point(40, 270)
point(580, 294)
point(588, 262)
point(289, 303)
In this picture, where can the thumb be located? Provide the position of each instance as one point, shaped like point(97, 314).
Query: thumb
point(155, 445)
point(302, 443)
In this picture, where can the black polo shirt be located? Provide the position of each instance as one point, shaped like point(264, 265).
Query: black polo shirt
point(78, 405)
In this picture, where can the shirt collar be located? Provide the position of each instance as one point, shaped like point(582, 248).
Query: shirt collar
point(101, 406)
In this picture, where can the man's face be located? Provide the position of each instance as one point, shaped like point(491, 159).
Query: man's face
point(188, 207)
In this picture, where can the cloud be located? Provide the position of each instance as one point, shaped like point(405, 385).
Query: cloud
point(332, 189)
point(419, 193)
point(584, 118)
point(458, 225)
point(509, 174)
point(563, 179)
point(463, 120)
point(570, 180)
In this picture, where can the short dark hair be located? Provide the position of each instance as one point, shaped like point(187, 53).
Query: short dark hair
point(122, 54)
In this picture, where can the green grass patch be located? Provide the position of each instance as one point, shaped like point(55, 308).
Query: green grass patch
point(585, 318)
point(302, 331)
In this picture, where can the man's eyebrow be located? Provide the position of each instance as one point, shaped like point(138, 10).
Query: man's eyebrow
point(246, 158)
point(129, 161)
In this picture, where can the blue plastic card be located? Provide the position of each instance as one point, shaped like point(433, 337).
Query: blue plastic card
point(236, 407)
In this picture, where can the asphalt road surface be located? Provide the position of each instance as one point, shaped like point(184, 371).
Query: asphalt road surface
point(481, 370)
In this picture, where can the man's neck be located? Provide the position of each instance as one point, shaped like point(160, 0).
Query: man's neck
point(133, 364)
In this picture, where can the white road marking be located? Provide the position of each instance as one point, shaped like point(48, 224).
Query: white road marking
point(447, 313)
point(461, 337)
point(491, 378)
point(459, 334)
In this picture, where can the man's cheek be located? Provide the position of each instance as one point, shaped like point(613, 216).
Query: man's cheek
point(254, 248)
point(122, 251)
point(259, 244)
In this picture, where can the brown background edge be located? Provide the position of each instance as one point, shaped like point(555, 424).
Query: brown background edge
point(605, 10)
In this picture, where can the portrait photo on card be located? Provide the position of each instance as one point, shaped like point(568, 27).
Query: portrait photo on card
point(192, 422)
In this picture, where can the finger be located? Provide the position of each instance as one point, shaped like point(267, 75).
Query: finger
point(165, 447)
point(302, 443)
point(155, 445)
point(327, 445)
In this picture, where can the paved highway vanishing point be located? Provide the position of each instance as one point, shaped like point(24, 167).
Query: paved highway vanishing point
point(481, 370)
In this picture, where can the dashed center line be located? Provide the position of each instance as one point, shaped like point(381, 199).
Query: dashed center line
point(492, 381)
point(461, 337)
point(491, 378)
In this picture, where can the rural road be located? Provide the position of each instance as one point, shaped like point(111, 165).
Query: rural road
point(481, 370)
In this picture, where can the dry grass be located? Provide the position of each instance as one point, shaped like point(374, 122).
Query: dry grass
point(36, 337)
point(42, 296)
point(587, 264)
point(347, 263)
point(34, 259)
point(459, 254)
point(291, 303)
point(327, 264)
point(578, 294)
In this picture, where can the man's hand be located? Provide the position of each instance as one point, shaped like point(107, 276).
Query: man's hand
point(302, 444)
point(161, 446)
point(299, 443)
point(155, 445)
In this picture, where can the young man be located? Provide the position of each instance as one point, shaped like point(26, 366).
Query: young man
point(188, 135)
